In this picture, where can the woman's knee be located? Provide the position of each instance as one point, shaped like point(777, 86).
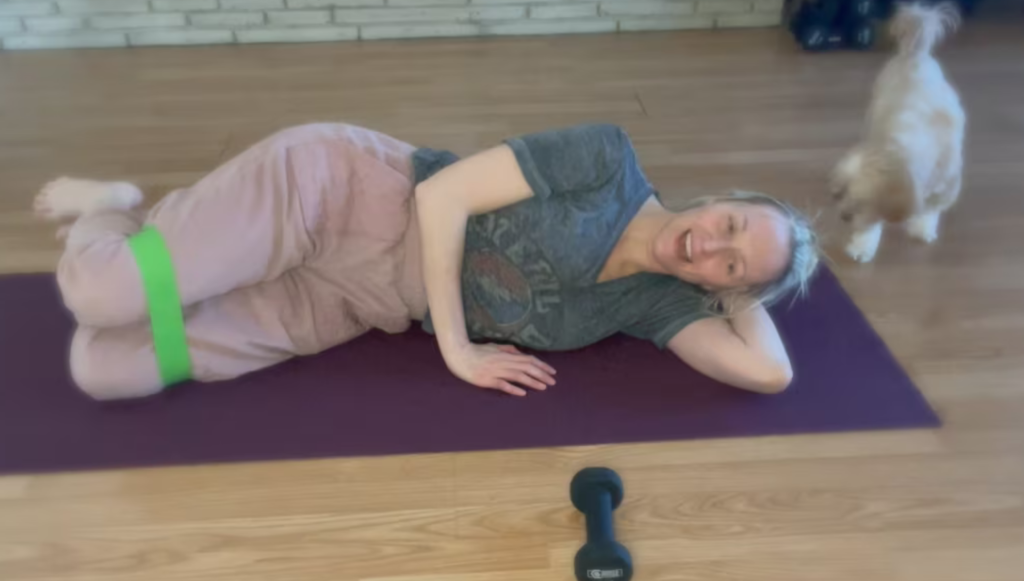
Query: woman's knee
point(110, 364)
point(101, 284)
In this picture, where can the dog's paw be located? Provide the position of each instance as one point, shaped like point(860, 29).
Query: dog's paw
point(864, 244)
point(860, 253)
point(924, 228)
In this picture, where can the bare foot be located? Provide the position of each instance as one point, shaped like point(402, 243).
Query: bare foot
point(66, 198)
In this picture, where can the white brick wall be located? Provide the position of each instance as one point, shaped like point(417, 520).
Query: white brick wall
point(54, 23)
point(226, 20)
point(305, 34)
point(103, 6)
point(723, 6)
point(578, 10)
point(39, 24)
point(27, 8)
point(74, 39)
point(432, 30)
point(8, 25)
point(666, 23)
point(539, 27)
point(647, 8)
point(165, 20)
point(467, 14)
point(299, 17)
point(175, 37)
point(183, 5)
point(251, 4)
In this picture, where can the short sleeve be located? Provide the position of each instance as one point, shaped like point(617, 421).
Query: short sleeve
point(577, 158)
point(427, 162)
point(674, 308)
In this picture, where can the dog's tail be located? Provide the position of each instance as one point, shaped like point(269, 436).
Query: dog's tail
point(918, 27)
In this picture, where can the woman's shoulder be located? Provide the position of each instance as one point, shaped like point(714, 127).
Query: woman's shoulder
point(606, 134)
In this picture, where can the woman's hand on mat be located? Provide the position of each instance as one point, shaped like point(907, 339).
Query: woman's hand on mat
point(501, 367)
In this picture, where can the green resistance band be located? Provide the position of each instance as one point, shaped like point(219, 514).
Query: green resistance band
point(161, 289)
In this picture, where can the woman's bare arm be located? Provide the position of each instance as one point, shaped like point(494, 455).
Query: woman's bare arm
point(482, 183)
point(744, 351)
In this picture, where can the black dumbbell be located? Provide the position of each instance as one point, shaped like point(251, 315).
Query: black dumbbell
point(859, 10)
point(813, 25)
point(596, 492)
point(858, 25)
point(817, 37)
point(859, 34)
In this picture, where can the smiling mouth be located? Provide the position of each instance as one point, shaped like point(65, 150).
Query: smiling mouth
point(686, 247)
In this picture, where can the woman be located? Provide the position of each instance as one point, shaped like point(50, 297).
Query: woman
point(550, 241)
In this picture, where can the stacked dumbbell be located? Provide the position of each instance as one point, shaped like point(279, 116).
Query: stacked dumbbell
point(596, 492)
point(820, 25)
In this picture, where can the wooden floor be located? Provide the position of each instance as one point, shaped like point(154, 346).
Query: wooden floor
point(707, 111)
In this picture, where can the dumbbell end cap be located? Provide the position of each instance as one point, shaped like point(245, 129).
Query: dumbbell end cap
point(590, 481)
point(603, 562)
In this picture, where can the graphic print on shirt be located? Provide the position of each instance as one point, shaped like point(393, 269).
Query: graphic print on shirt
point(509, 287)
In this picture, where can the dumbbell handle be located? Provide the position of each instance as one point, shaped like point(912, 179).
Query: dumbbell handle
point(600, 526)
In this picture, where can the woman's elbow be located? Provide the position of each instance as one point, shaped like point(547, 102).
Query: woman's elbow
point(777, 381)
point(770, 379)
point(773, 379)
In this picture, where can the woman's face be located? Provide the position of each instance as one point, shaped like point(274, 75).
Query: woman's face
point(725, 245)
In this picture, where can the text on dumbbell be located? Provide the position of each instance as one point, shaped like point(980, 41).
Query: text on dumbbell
point(605, 573)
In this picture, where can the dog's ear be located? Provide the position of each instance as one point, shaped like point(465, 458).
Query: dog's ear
point(896, 198)
point(837, 186)
point(845, 170)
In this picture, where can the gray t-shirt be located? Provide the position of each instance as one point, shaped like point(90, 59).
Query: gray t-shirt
point(529, 273)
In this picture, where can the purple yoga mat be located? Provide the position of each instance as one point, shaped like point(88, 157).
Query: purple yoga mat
point(393, 395)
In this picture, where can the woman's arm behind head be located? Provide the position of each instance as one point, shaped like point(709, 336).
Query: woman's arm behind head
point(743, 351)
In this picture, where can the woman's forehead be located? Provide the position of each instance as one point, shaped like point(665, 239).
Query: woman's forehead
point(753, 209)
point(770, 241)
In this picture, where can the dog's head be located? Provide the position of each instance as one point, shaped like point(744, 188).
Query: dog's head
point(868, 187)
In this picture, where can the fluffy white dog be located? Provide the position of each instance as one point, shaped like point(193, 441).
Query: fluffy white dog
point(907, 167)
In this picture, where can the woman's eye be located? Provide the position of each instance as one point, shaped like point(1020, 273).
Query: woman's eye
point(732, 225)
point(732, 268)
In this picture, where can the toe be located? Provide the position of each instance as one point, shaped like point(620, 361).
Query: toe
point(52, 185)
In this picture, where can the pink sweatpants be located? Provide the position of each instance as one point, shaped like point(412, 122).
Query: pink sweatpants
point(304, 241)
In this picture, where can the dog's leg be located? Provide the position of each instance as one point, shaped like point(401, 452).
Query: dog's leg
point(864, 242)
point(924, 227)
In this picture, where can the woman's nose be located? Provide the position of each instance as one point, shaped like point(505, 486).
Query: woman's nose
point(715, 245)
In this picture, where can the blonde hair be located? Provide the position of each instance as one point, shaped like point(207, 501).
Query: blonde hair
point(804, 251)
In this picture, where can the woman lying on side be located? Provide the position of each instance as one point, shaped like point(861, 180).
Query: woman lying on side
point(550, 241)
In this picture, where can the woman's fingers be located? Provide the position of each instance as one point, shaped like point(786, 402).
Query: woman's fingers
point(536, 372)
point(550, 370)
point(510, 371)
point(523, 378)
point(508, 388)
point(531, 361)
point(512, 350)
point(535, 367)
